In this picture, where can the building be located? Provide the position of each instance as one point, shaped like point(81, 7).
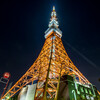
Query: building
point(69, 89)
point(73, 90)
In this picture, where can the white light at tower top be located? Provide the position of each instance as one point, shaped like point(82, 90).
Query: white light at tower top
point(53, 21)
point(53, 8)
point(53, 25)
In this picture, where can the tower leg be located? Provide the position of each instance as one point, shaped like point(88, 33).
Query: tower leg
point(46, 83)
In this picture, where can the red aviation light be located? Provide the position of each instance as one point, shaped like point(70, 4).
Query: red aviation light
point(6, 75)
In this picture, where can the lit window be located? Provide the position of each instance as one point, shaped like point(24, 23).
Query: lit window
point(82, 89)
point(92, 98)
point(90, 92)
point(86, 90)
point(83, 96)
point(87, 97)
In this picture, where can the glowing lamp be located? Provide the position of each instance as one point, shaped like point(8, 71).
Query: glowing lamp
point(6, 75)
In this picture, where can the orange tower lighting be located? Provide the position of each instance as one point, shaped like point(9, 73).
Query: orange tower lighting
point(52, 63)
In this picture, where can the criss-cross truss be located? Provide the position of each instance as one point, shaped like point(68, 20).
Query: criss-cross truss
point(52, 63)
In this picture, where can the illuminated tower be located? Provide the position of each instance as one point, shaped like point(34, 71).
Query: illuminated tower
point(52, 63)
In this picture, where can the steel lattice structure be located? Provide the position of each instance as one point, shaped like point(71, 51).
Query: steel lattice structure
point(52, 63)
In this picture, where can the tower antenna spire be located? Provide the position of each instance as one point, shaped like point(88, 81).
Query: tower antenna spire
point(53, 8)
point(53, 13)
point(53, 25)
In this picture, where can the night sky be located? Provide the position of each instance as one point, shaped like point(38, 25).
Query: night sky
point(22, 27)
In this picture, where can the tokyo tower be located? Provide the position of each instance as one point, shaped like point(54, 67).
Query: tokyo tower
point(52, 63)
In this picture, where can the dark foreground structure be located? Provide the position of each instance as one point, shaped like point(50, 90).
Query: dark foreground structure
point(71, 90)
